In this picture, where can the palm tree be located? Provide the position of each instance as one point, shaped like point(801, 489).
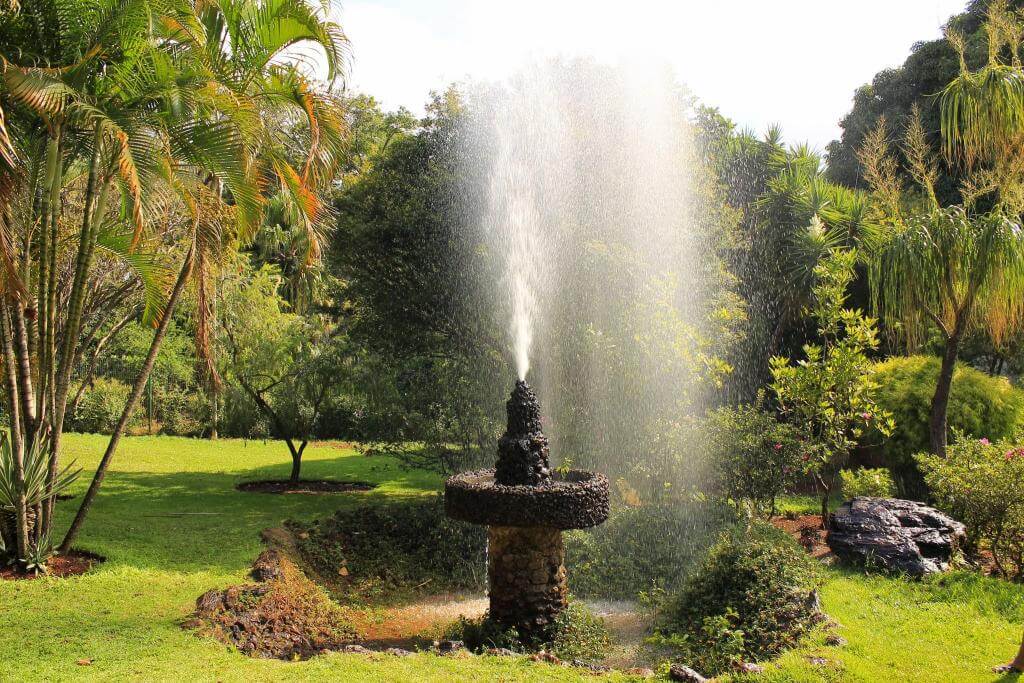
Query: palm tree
point(235, 137)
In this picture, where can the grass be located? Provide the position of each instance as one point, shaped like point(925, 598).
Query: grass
point(125, 614)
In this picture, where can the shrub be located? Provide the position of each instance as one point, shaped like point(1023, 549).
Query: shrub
point(101, 407)
point(379, 550)
point(577, 634)
point(982, 484)
point(865, 481)
point(753, 597)
point(183, 413)
point(979, 406)
point(642, 549)
point(752, 456)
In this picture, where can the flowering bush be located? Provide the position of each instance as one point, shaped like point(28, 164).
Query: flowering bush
point(981, 483)
point(752, 457)
point(873, 483)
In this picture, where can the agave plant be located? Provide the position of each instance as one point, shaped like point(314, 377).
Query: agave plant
point(32, 491)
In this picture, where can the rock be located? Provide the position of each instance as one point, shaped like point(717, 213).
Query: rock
point(835, 640)
point(546, 657)
point(681, 672)
point(267, 566)
point(896, 535)
point(355, 650)
point(502, 652)
point(209, 603)
point(447, 647)
point(398, 652)
point(749, 668)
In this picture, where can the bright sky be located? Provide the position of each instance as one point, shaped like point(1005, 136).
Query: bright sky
point(792, 62)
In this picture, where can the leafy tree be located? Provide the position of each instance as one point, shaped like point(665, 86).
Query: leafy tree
point(894, 93)
point(954, 267)
point(414, 286)
point(830, 395)
point(283, 362)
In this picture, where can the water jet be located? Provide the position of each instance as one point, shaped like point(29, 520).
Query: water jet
point(526, 506)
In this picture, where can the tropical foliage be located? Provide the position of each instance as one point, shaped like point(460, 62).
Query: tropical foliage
point(151, 135)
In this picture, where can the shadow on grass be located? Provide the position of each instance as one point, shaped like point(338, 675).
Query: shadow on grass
point(197, 521)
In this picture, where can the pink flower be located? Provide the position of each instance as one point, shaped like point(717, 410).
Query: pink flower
point(805, 457)
point(984, 442)
point(778, 446)
point(866, 416)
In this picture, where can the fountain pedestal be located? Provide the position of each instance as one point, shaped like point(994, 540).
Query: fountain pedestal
point(526, 508)
point(526, 576)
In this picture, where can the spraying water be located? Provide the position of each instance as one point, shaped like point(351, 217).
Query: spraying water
point(592, 215)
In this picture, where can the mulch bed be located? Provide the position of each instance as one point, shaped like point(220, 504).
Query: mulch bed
point(74, 563)
point(311, 487)
point(807, 531)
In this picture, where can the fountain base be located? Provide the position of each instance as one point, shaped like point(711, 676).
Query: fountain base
point(526, 572)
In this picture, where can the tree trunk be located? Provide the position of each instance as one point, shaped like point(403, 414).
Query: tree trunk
point(17, 443)
point(937, 428)
point(129, 408)
point(296, 458)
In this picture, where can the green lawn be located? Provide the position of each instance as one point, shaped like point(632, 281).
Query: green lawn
point(124, 615)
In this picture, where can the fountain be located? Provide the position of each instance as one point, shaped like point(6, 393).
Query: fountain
point(526, 507)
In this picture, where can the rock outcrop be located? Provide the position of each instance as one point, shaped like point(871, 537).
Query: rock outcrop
point(895, 535)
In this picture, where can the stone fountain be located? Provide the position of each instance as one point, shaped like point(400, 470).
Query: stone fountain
point(526, 507)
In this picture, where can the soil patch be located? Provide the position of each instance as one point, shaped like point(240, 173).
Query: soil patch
point(73, 563)
point(807, 531)
point(311, 487)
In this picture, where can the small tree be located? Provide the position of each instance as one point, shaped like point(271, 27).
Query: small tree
point(287, 364)
point(829, 396)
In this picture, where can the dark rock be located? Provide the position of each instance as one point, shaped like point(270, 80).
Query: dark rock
point(398, 652)
point(835, 640)
point(267, 566)
point(681, 672)
point(355, 650)
point(446, 647)
point(896, 535)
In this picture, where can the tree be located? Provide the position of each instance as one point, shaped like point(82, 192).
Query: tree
point(115, 112)
point(288, 365)
point(954, 267)
point(893, 93)
point(829, 396)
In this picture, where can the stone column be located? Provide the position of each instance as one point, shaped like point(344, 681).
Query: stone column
point(526, 573)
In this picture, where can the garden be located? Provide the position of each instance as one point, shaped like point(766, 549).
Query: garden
point(567, 377)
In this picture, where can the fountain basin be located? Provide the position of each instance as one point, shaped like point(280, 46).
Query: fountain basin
point(576, 499)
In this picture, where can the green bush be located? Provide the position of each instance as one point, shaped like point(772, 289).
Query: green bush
point(753, 458)
point(577, 634)
point(101, 406)
point(753, 597)
point(382, 550)
point(868, 482)
point(982, 484)
point(979, 406)
point(183, 413)
point(643, 549)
